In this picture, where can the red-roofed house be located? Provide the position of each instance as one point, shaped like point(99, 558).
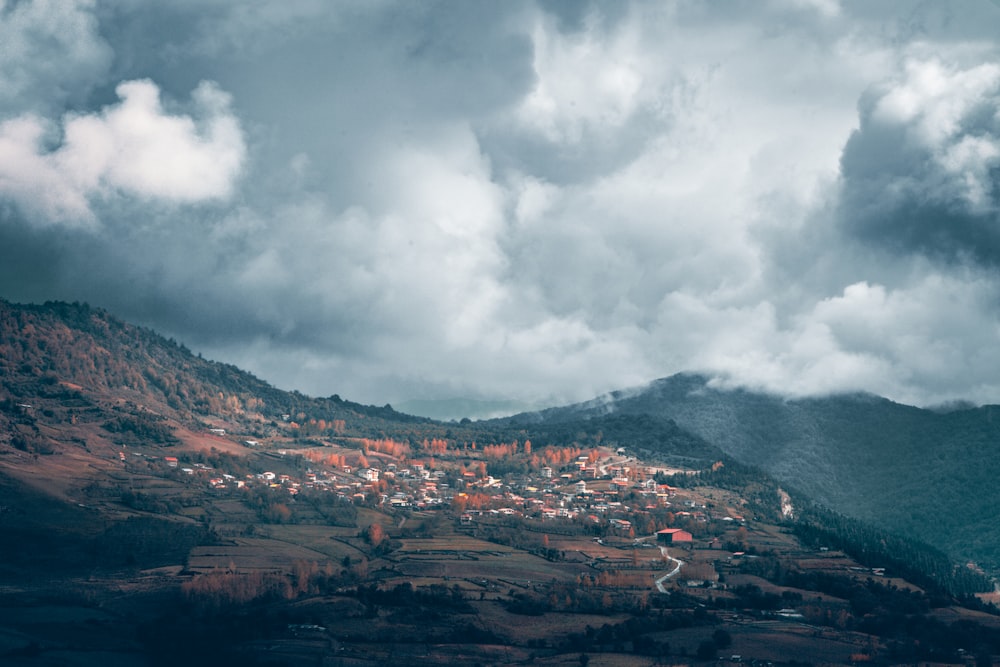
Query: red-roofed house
point(674, 536)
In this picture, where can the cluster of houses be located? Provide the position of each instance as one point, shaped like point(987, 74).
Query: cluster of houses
point(414, 487)
point(609, 493)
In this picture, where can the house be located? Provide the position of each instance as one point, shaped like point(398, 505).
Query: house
point(621, 524)
point(674, 536)
point(618, 484)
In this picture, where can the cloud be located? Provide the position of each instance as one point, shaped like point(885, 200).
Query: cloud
point(132, 148)
point(920, 173)
point(585, 82)
point(923, 343)
point(518, 200)
point(52, 53)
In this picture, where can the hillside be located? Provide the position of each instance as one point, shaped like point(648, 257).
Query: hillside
point(904, 468)
point(75, 348)
point(159, 508)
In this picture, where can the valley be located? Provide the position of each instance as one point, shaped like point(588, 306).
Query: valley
point(162, 509)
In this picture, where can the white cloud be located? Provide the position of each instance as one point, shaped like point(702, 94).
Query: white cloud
point(585, 81)
point(34, 179)
point(925, 342)
point(133, 148)
point(826, 8)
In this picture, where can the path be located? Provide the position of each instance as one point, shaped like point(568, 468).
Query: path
point(659, 582)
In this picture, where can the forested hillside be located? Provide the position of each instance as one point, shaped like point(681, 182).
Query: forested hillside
point(896, 466)
point(73, 351)
point(149, 494)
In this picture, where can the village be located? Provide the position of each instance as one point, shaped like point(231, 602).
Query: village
point(505, 531)
point(362, 545)
point(604, 491)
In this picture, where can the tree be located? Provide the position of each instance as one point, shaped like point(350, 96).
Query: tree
point(722, 638)
point(707, 650)
point(375, 534)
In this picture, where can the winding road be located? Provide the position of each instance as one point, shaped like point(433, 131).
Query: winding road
point(659, 582)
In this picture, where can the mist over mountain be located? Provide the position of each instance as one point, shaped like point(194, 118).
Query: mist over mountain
point(897, 466)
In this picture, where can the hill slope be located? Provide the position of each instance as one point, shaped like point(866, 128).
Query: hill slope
point(922, 473)
point(149, 495)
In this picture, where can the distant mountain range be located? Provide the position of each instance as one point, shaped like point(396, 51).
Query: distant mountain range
point(928, 474)
point(448, 409)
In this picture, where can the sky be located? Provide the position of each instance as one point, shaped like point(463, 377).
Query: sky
point(534, 201)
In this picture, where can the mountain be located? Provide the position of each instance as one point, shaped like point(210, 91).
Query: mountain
point(60, 361)
point(928, 474)
point(462, 408)
point(159, 508)
point(72, 374)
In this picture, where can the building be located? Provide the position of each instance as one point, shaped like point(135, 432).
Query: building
point(620, 524)
point(618, 484)
point(674, 536)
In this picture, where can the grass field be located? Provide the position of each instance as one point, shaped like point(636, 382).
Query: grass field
point(255, 554)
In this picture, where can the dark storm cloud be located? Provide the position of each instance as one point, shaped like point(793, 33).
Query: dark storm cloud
point(30, 259)
point(922, 173)
point(50, 54)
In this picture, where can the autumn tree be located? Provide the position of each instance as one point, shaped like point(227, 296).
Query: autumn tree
point(375, 534)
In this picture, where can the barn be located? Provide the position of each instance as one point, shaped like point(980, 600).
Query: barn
point(673, 536)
